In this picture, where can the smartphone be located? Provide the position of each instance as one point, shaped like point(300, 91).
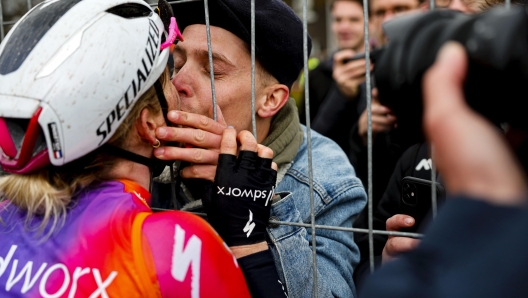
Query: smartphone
point(415, 200)
point(374, 54)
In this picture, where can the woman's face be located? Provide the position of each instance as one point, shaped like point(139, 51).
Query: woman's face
point(171, 94)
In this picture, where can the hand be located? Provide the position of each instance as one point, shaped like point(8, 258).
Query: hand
point(397, 245)
point(239, 203)
point(469, 151)
point(202, 133)
point(382, 119)
point(348, 75)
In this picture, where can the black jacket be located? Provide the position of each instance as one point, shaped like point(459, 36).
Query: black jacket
point(473, 249)
point(331, 114)
point(414, 162)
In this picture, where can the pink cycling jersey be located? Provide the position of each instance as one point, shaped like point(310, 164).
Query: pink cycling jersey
point(111, 244)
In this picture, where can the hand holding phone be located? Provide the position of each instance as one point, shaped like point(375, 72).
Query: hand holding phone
point(348, 76)
point(416, 199)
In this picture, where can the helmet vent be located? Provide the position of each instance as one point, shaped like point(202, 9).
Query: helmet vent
point(29, 31)
point(130, 11)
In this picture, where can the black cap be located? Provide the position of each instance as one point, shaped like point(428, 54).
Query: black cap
point(278, 31)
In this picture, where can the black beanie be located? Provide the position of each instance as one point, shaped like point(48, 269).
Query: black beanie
point(278, 31)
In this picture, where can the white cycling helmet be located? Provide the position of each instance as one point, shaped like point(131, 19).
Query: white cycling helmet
point(70, 71)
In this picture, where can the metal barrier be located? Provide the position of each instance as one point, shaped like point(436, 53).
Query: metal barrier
point(313, 226)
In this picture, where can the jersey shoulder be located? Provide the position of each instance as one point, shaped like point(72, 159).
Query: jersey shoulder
point(190, 257)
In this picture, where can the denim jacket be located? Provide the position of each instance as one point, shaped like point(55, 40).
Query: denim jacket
point(338, 197)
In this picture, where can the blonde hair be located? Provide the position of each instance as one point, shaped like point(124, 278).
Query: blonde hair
point(49, 191)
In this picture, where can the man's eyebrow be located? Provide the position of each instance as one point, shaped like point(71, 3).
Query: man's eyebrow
point(216, 56)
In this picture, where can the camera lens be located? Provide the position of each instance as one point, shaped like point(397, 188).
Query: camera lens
point(409, 194)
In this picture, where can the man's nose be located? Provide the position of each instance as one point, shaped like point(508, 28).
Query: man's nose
point(182, 84)
point(343, 26)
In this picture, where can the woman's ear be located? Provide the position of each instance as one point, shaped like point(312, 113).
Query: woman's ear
point(146, 126)
point(272, 100)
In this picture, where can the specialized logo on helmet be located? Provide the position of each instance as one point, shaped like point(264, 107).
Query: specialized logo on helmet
point(151, 52)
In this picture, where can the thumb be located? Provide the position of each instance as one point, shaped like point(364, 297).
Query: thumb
point(219, 116)
point(375, 96)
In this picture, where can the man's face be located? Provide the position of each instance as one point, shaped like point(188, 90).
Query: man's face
point(382, 11)
point(347, 25)
point(232, 74)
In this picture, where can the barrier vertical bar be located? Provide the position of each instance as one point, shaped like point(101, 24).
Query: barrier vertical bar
point(309, 140)
point(253, 120)
point(369, 135)
point(1, 22)
point(434, 206)
point(210, 52)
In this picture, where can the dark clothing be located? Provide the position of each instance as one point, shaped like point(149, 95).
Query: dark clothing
point(261, 275)
point(331, 113)
point(414, 162)
point(385, 154)
point(473, 249)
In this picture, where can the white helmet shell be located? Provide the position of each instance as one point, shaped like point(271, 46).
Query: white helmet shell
point(84, 74)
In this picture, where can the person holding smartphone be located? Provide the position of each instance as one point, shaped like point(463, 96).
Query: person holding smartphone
point(335, 84)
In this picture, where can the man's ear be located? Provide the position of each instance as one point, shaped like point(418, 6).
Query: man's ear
point(272, 100)
point(146, 126)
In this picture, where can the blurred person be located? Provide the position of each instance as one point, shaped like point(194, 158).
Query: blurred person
point(386, 148)
point(381, 11)
point(78, 140)
point(339, 195)
point(414, 162)
point(474, 248)
point(334, 85)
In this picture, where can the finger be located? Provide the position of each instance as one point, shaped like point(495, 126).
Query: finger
point(196, 121)
point(247, 141)
point(399, 221)
point(375, 96)
point(382, 120)
point(341, 55)
point(196, 137)
point(380, 109)
point(206, 172)
point(192, 155)
point(264, 152)
point(356, 65)
point(274, 166)
point(219, 115)
point(229, 142)
point(266, 155)
point(398, 245)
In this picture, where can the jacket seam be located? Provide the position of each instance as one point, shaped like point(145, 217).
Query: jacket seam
point(297, 229)
point(325, 196)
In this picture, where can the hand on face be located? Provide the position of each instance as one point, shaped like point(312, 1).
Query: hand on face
point(201, 136)
point(228, 212)
point(349, 75)
point(468, 150)
point(397, 245)
point(382, 119)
